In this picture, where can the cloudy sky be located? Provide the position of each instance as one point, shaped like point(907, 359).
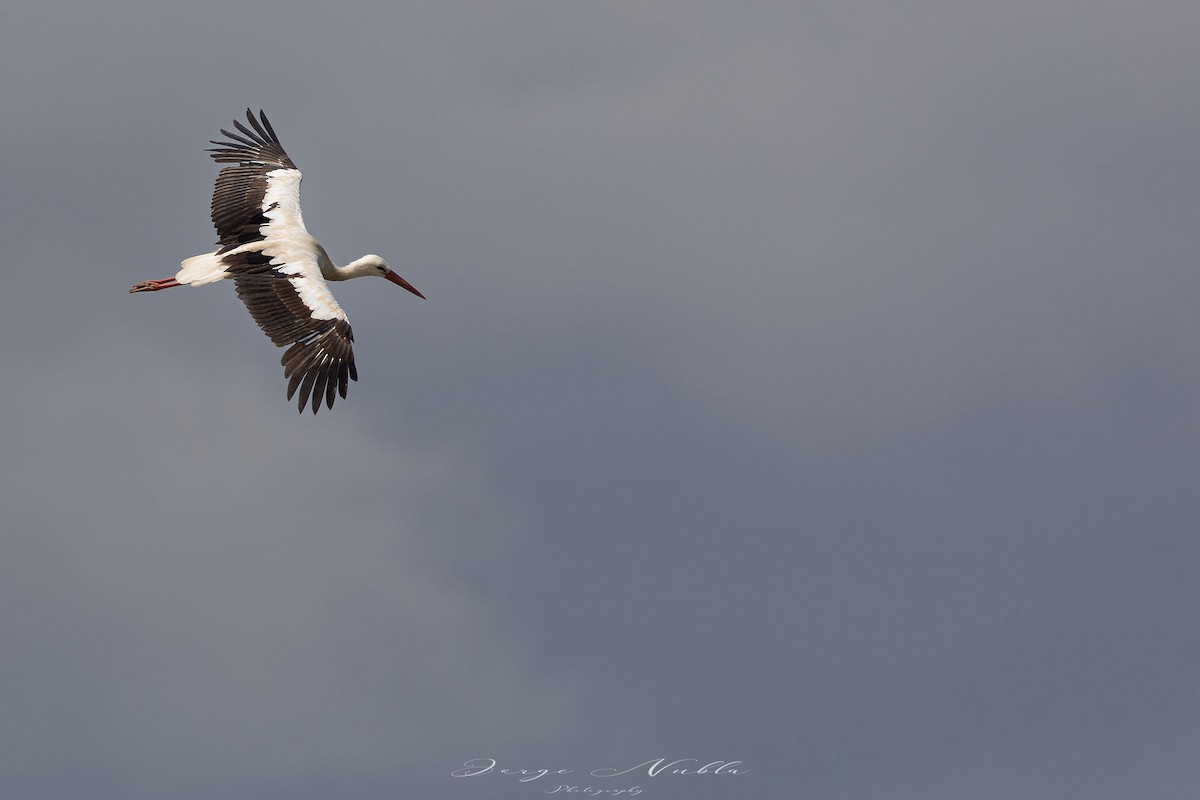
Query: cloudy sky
point(810, 385)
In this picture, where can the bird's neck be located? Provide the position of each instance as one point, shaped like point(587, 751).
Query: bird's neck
point(355, 269)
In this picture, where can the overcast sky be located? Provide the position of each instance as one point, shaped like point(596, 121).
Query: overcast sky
point(810, 385)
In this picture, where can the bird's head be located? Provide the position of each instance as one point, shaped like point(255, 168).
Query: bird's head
point(377, 266)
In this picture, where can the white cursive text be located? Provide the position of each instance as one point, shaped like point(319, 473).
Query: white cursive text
point(660, 765)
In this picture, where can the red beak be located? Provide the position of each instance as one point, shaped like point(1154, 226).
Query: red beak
point(396, 279)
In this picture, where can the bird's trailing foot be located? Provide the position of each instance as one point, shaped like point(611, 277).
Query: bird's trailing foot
point(154, 286)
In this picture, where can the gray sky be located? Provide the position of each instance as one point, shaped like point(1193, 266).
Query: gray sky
point(815, 386)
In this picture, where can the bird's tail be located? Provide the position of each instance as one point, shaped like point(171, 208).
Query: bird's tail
point(199, 270)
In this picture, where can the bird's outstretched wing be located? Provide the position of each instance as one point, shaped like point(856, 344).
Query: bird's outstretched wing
point(320, 359)
point(276, 264)
point(262, 174)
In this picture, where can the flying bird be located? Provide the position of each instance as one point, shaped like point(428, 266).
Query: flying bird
point(278, 269)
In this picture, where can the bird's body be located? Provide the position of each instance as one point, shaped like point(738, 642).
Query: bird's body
point(278, 268)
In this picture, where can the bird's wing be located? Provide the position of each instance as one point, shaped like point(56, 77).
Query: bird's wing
point(259, 196)
point(293, 306)
point(275, 262)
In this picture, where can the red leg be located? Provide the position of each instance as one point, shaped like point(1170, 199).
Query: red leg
point(154, 286)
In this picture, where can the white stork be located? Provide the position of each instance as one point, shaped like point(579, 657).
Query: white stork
point(278, 268)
